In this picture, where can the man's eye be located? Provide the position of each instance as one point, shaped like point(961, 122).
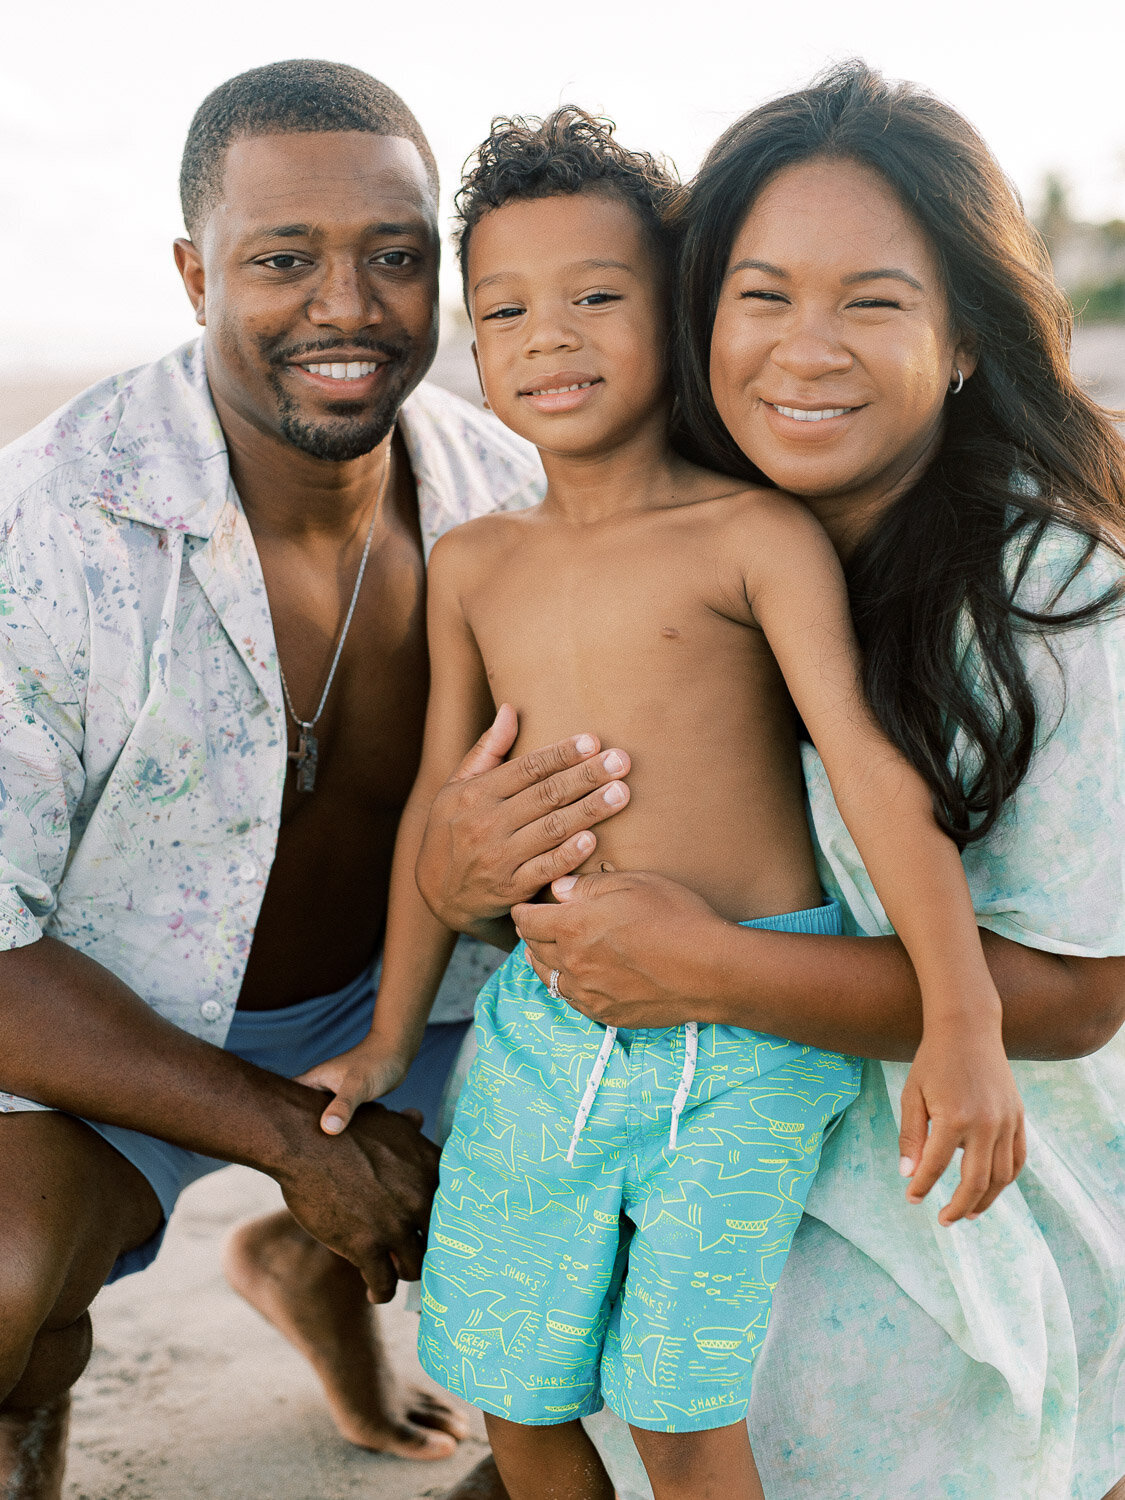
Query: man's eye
point(395, 259)
point(282, 262)
point(596, 299)
point(502, 312)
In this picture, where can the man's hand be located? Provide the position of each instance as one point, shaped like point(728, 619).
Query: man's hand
point(367, 1193)
point(499, 831)
point(630, 948)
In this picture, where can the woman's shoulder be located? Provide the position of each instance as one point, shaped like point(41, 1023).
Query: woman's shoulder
point(1058, 569)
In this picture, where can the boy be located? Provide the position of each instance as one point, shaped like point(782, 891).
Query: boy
point(615, 1207)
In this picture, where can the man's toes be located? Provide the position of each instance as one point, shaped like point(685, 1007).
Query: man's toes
point(422, 1443)
point(430, 1411)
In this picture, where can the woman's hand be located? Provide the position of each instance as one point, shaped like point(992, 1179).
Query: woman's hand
point(961, 1091)
point(631, 949)
point(499, 831)
point(356, 1077)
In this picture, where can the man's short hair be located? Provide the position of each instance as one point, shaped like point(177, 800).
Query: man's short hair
point(303, 95)
point(568, 152)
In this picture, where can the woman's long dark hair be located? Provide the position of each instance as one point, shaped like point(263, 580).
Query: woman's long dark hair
point(1023, 447)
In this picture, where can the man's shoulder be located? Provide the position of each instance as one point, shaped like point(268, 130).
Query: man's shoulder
point(112, 447)
point(466, 463)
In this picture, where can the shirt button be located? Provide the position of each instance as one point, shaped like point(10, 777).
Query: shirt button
point(210, 1010)
point(248, 871)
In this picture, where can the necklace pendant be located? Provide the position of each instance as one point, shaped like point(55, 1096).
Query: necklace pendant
point(305, 758)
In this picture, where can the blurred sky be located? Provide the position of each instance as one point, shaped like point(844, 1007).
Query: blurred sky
point(95, 99)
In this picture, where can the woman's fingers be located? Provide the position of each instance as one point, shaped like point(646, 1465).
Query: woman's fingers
point(976, 1179)
point(1003, 1172)
point(549, 812)
point(490, 750)
point(550, 777)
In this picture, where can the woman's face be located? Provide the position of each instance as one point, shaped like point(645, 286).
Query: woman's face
point(832, 351)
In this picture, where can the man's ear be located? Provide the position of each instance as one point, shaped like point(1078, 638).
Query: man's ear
point(480, 382)
point(189, 263)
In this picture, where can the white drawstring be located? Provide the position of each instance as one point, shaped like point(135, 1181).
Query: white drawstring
point(691, 1049)
point(592, 1088)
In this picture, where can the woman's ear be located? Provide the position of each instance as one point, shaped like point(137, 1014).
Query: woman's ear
point(965, 356)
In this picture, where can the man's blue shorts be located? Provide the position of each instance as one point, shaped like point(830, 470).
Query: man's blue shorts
point(637, 1274)
point(288, 1041)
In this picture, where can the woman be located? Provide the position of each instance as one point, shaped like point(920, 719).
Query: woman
point(867, 322)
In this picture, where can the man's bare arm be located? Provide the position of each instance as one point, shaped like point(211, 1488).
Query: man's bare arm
point(74, 1036)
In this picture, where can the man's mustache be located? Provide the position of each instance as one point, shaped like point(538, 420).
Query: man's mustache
point(282, 355)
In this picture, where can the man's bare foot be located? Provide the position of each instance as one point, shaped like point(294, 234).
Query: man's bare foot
point(319, 1303)
point(33, 1451)
point(481, 1483)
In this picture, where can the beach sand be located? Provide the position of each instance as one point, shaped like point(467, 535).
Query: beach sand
point(189, 1393)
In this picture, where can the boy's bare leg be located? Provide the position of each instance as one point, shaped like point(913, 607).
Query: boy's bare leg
point(69, 1205)
point(483, 1483)
point(319, 1303)
point(715, 1465)
point(547, 1463)
point(1117, 1492)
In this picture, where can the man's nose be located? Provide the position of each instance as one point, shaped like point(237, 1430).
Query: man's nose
point(344, 298)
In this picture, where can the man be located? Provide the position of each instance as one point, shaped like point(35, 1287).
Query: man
point(214, 678)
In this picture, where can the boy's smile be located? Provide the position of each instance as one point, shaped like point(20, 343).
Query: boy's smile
point(568, 306)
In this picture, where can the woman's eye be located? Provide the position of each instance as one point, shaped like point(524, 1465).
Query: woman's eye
point(760, 295)
point(502, 312)
point(596, 299)
point(875, 302)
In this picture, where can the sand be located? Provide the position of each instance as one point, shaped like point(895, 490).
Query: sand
point(189, 1393)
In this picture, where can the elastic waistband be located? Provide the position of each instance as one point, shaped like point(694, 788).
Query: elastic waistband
point(254, 1025)
point(823, 921)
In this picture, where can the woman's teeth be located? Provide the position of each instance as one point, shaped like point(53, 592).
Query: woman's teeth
point(355, 369)
point(557, 390)
point(812, 416)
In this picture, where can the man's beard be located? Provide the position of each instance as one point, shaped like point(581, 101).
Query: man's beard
point(358, 427)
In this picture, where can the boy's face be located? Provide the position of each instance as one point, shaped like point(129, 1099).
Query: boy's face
point(568, 308)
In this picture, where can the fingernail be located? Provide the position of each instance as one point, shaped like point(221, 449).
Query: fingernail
point(615, 794)
point(564, 884)
point(585, 744)
point(584, 842)
point(613, 763)
point(906, 1166)
point(333, 1124)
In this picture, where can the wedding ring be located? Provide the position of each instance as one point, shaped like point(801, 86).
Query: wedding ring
point(553, 985)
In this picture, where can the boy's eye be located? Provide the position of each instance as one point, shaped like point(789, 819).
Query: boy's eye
point(502, 312)
point(596, 299)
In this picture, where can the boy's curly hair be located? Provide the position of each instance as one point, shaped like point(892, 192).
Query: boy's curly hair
point(570, 151)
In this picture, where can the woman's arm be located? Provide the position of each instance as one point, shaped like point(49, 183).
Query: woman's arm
point(640, 950)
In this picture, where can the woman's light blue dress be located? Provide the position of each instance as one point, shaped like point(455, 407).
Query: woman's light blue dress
point(986, 1361)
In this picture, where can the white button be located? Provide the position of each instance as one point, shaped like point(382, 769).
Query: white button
point(248, 871)
point(210, 1010)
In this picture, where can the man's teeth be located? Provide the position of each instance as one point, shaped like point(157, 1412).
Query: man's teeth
point(355, 369)
point(812, 416)
point(557, 390)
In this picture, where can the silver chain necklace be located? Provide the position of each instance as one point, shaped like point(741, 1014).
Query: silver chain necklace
point(307, 743)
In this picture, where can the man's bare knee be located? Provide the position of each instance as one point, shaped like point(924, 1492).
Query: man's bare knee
point(52, 1364)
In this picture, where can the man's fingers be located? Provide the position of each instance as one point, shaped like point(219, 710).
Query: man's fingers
point(379, 1274)
point(543, 781)
point(490, 750)
point(936, 1156)
point(408, 1256)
